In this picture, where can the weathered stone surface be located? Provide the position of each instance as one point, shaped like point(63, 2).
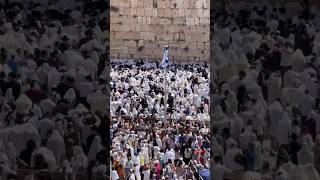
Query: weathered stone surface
point(147, 36)
point(139, 28)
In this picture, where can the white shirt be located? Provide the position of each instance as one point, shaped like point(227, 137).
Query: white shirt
point(114, 175)
point(146, 174)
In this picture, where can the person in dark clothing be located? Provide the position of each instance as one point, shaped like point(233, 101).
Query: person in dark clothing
point(40, 162)
point(2, 82)
point(294, 148)
point(25, 155)
point(63, 86)
point(35, 93)
point(14, 85)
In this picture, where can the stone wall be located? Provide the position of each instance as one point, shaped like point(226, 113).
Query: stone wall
point(139, 29)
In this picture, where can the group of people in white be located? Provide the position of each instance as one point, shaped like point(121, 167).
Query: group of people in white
point(160, 124)
point(266, 91)
point(53, 99)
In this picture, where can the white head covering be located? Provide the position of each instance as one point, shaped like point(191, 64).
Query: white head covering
point(305, 155)
point(70, 95)
point(56, 144)
point(79, 158)
point(23, 103)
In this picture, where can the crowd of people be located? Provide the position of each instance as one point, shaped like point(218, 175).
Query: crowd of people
point(53, 90)
point(160, 121)
point(266, 91)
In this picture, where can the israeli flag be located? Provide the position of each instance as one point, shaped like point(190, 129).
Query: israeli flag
point(165, 58)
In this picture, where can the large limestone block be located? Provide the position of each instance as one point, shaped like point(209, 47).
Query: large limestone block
point(165, 20)
point(127, 35)
point(148, 11)
point(147, 36)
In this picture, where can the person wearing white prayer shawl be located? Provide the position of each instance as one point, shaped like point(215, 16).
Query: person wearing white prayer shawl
point(95, 147)
point(307, 77)
point(236, 125)
point(305, 155)
point(295, 92)
point(56, 144)
point(288, 77)
point(247, 136)
point(44, 126)
point(231, 102)
point(98, 101)
point(274, 84)
point(70, 96)
point(79, 160)
point(237, 169)
point(47, 106)
point(275, 112)
point(5, 167)
point(23, 104)
point(306, 103)
point(298, 61)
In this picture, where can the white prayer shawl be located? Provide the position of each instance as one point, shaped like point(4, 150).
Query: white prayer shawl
point(246, 137)
point(90, 45)
point(288, 78)
point(52, 34)
point(236, 125)
point(273, 25)
point(11, 153)
point(90, 67)
point(298, 61)
point(71, 59)
point(78, 159)
point(286, 57)
point(98, 102)
point(70, 95)
point(95, 148)
point(232, 103)
point(306, 104)
point(56, 144)
point(47, 106)
point(229, 159)
point(283, 129)
point(76, 15)
point(311, 172)
point(316, 45)
point(276, 112)
point(274, 87)
point(309, 82)
point(44, 126)
point(37, 111)
point(19, 135)
point(5, 68)
point(294, 94)
point(23, 103)
point(258, 156)
point(43, 73)
point(305, 155)
point(44, 42)
point(242, 63)
point(236, 36)
point(53, 77)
